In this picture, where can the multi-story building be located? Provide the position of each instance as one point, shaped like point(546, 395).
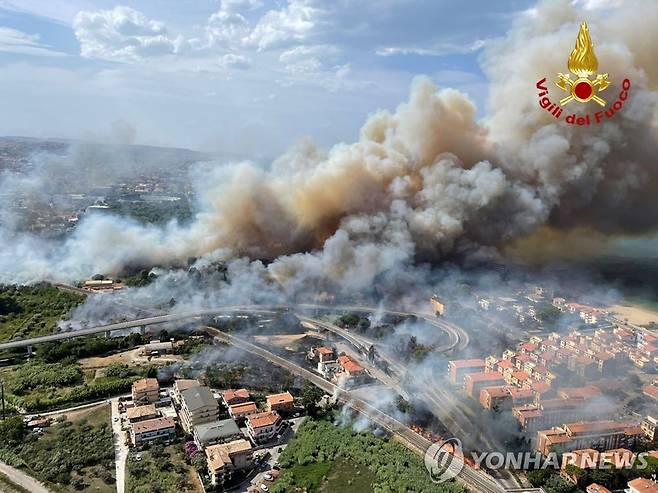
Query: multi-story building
point(226, 458)
point(181, 386)
point(241, 411)
point(262, 427)
point(283, 402)
point(458, 369)
point(474, 382)
point(223, 431)
point(232, 397)
point(495, 398)
point(150, 430)
point(141, 413)
point(198, 406)
point(599, 435)
point(146, 391)
point(649, 426)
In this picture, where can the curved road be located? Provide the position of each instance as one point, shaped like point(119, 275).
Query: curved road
point(417, 443)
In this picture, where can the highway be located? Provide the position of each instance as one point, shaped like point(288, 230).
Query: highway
point(458, 339)
point(415, 442)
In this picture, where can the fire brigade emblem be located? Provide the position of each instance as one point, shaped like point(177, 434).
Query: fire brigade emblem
point(582, 63)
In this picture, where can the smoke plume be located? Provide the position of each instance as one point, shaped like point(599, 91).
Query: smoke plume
point(421, 183)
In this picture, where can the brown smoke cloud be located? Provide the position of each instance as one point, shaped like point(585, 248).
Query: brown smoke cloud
point(429, 179)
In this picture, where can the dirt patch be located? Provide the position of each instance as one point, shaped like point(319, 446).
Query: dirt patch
point(130, 357)
point(635, 314)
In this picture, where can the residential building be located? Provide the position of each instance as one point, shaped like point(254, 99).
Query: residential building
point(495, 398)
point(322, 354)
point(141, 413)
point(599, 435)
point(597, 488)
point(651, 391)
point(458, 369)
point(223, 431)
point(146, 391)
point(350, 367)
point(224, 459)
point(474, 382)
point(240, 411)
point(182, 385)
point(232, 397)
point(642, 485)
point(283, 402)
point(198, 406)
point(152, 429)
point(328, 368)
point(262, 427)
point(649, 424)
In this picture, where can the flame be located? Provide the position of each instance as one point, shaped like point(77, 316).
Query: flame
point(582, 61)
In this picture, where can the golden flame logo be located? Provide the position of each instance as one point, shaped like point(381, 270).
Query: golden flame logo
point(582, 63)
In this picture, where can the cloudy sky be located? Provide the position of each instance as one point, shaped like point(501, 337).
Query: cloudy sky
point(236, 76)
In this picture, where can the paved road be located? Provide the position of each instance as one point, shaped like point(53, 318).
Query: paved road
point(415, 442)
point(458, 338)
point(22, 479)
point(120, 448)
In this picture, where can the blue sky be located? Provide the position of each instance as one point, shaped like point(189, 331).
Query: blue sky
point(246, 77)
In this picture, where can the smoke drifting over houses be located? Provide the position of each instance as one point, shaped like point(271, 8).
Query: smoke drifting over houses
point(424, 182)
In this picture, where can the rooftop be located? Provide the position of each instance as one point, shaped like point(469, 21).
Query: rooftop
point(484, 376)
point(146, 384)
point(283, 398)
point(153, 425)
point(260, 420)
point(231, 394)
point(220, 455)
point(644, 485)
point(217, 429)
point(186, 383)
point(196, 398)
point(244, 407)
point(467, 363)
point(141, 411)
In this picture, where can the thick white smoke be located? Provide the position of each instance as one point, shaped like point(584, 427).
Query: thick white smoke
point(423, 182)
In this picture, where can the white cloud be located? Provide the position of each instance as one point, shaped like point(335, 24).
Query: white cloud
point(231, 60)
point(240, 5)
point(226, 28)
point(309, 59)
point(280, 27)
point(122, 34)
point(15, 41)
point(436, 50)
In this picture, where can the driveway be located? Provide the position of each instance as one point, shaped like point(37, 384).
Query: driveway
point(22, 479)
point(120, 448)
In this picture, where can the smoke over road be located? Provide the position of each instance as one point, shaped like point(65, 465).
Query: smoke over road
point(421, 183)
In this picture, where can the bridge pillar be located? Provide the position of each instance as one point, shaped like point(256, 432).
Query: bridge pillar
point(107, 334)
point(142, 329)
point(30, 350)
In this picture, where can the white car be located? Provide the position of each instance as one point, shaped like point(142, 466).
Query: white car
point(264, 487)
point(268, 476)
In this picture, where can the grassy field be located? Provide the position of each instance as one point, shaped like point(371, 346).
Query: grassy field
point(325, 458)
point(163, 470)
point(38, 386)
point(29, 311)
point(347, 476)
point(72, 456)
point(7, 486)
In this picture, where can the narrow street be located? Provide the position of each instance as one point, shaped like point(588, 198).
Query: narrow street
point(22, 479)
point(120, 448)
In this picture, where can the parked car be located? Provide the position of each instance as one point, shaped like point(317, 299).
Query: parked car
point(268, 476)
point(264, 487)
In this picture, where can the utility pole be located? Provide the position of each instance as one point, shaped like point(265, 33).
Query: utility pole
point(2, 393)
